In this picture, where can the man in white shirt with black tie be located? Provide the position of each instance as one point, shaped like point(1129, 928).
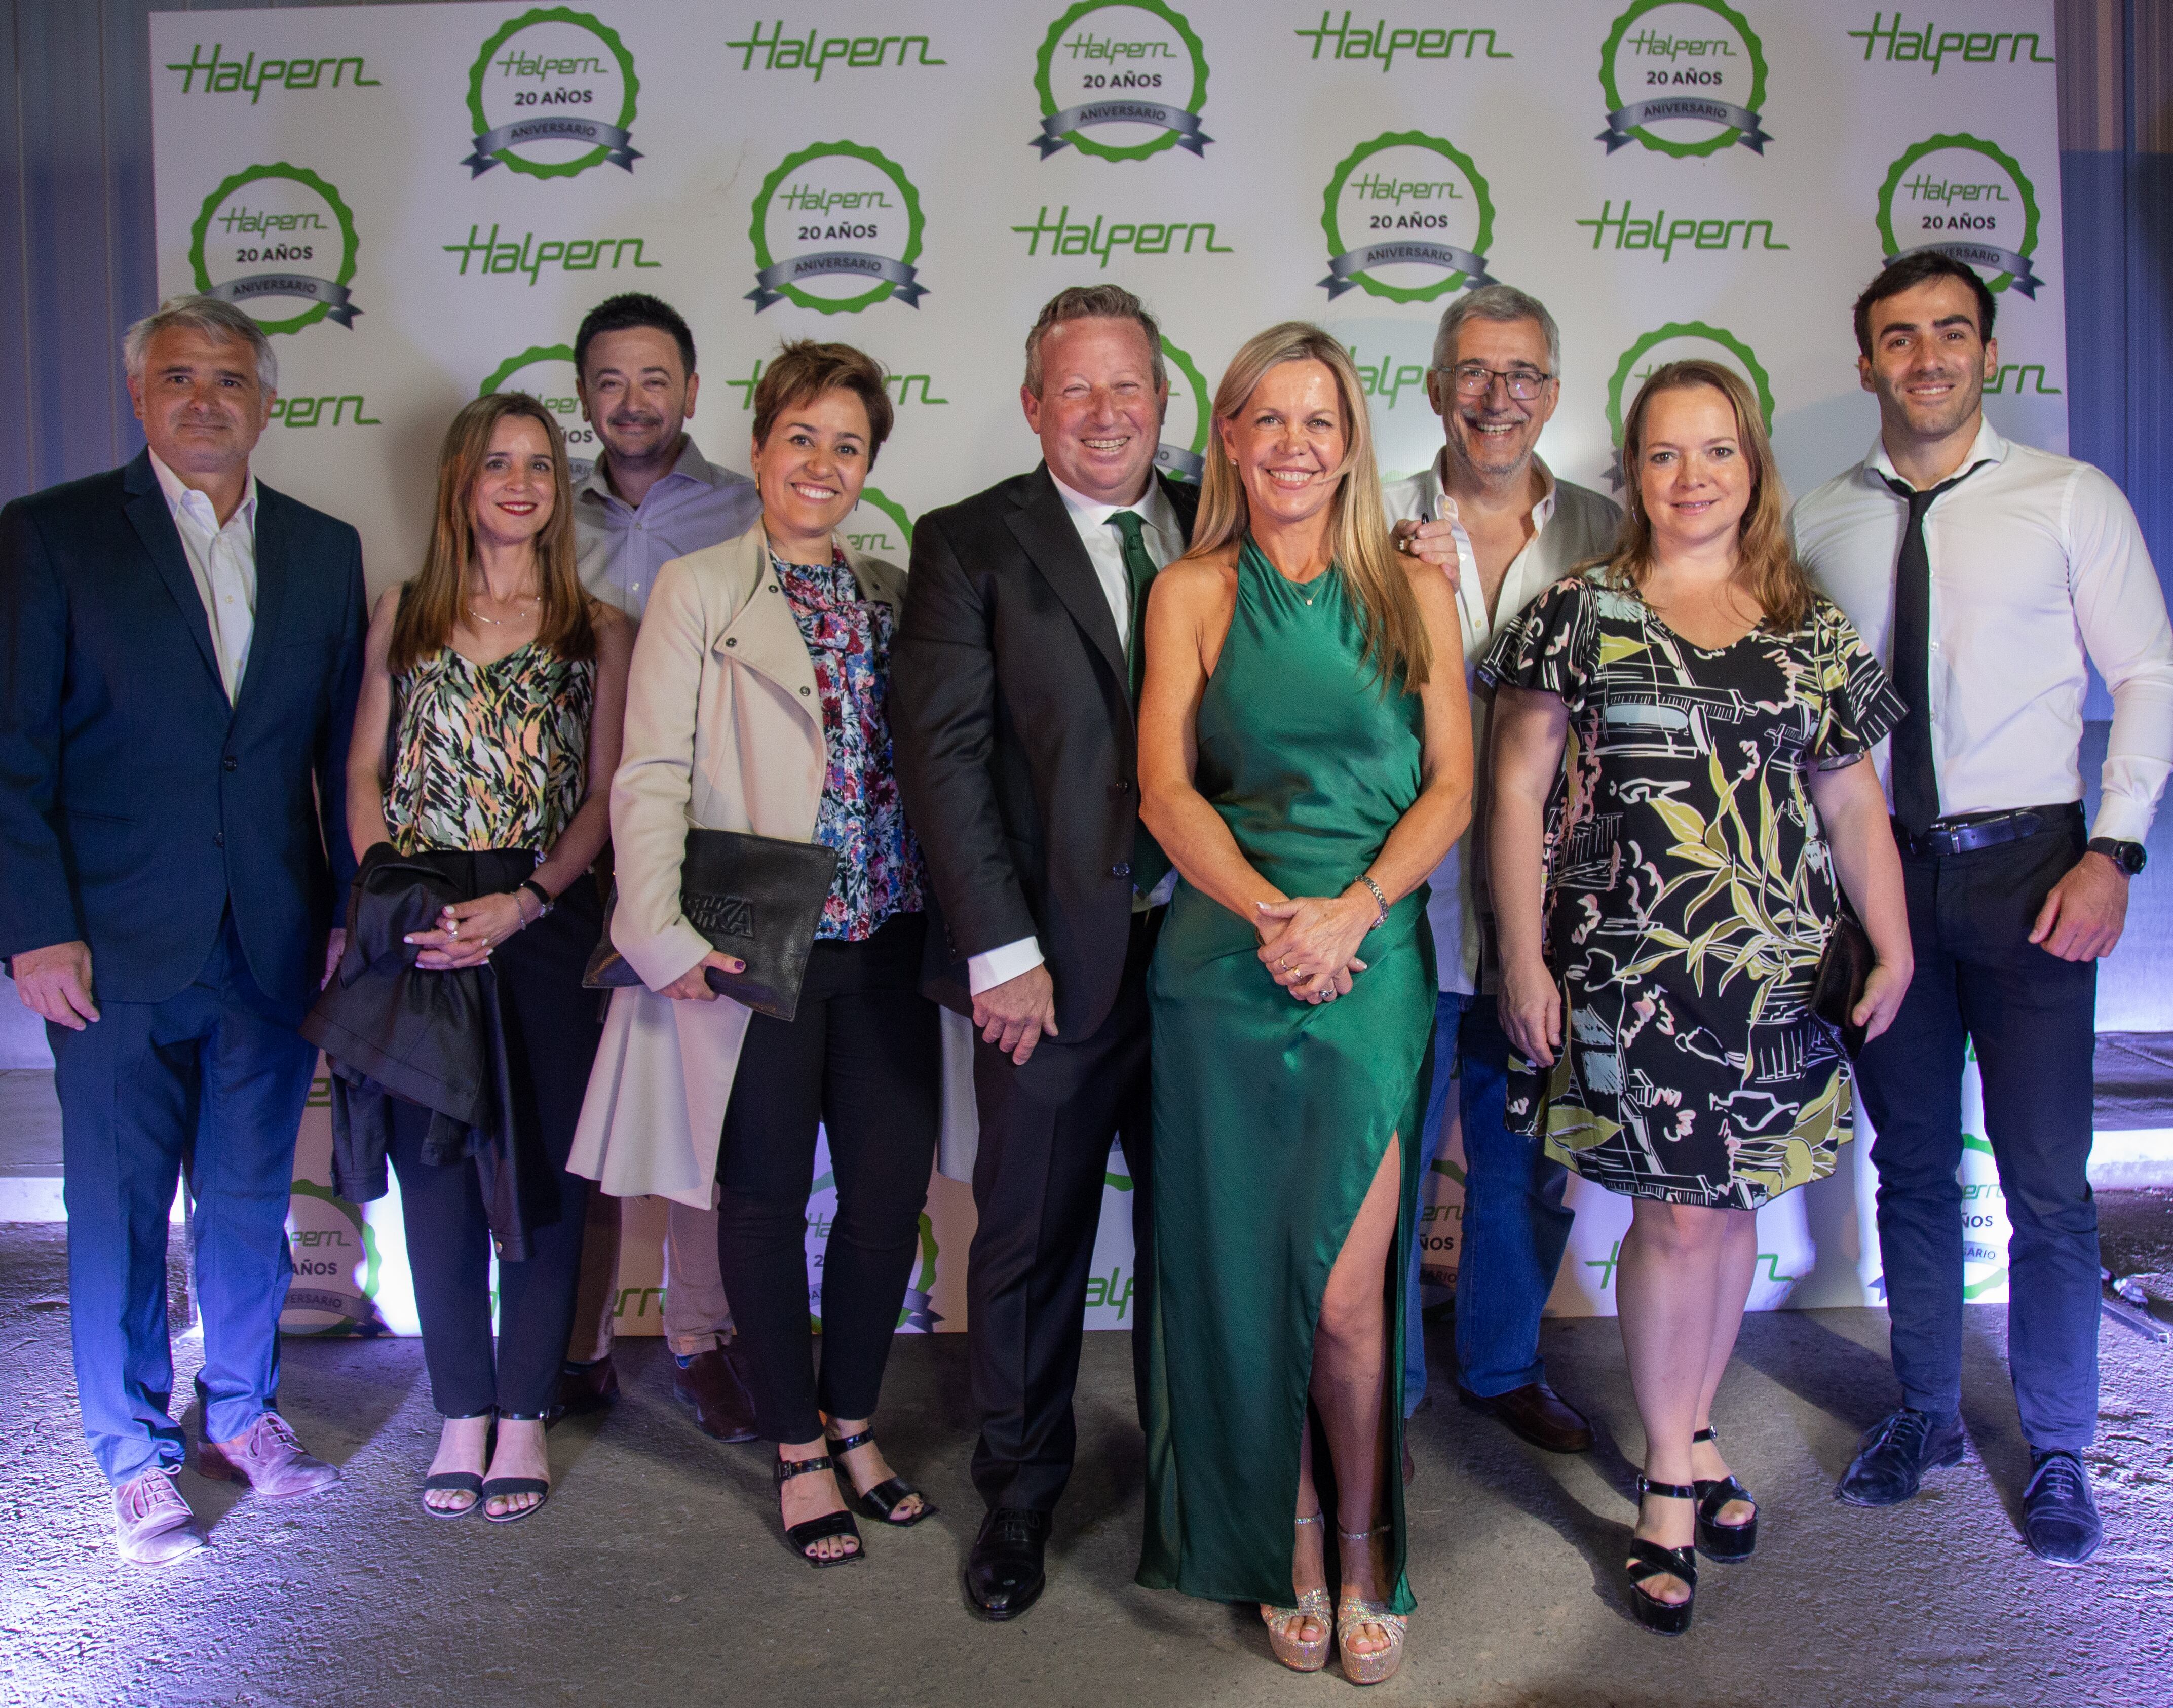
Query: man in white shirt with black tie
point(1983, 573)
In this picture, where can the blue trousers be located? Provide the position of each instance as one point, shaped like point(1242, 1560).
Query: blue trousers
point(211, 1081)
point(2033, 1018)
point(1515, 1228)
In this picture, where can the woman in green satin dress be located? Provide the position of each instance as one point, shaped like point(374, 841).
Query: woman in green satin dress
point(1305, 769)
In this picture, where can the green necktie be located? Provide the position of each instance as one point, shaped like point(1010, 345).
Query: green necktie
point(1149, 863)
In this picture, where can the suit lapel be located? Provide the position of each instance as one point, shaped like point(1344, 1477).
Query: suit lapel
point(154, 526)
point(273, 563)
point(1043, 528)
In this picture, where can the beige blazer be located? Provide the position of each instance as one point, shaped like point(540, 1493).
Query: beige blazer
point(723, 730)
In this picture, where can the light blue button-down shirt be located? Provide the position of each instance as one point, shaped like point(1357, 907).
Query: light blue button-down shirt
point(623, 546)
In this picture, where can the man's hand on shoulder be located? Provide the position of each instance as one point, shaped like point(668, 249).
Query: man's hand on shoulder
point(55, 981)
point(1014, 1015)
point(2083, 917)
point(1432, 542)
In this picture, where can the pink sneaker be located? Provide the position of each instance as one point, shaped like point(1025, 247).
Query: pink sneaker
point(268, 1458)
point(157, 1527)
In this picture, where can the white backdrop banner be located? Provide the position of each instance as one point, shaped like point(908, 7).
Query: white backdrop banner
point(421, 201)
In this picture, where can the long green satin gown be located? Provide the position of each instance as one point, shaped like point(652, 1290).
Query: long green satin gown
point(1271, 1117)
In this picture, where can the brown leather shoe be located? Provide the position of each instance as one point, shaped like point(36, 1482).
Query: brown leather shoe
point(1538, 1413)
point(268, 1458)
point(715, 1386)
point(156, 1525)
point(585, 1388)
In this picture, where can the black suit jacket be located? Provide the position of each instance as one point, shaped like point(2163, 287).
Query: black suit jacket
point(136, 803)
point(1015, 747)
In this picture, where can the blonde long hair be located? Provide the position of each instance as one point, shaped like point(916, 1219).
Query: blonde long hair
point(1358, 537)
point(431, 605)
point(1767, 566)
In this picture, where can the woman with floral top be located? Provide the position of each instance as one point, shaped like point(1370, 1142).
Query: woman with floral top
point(760, 702)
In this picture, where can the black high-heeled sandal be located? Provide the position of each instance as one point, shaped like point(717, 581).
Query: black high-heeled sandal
point(500, 1487)
point(887, 1496)
point(465, 1482)
point(799, 1537)
point(1651, 1559)
point(1726, 1544)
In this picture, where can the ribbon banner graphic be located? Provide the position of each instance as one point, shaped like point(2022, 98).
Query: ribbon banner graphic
point(335, 297)
point(1054, 128)
point(770, 281)
point(1747, 125)
point(1984, 255)
point(555, 127)
point(1343, 269)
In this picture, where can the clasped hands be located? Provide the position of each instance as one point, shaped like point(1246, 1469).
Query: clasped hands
point(1309, 944)
point(467, 931)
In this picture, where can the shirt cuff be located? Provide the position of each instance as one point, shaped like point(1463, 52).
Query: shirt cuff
point(1001, 966)
point(2121, 819)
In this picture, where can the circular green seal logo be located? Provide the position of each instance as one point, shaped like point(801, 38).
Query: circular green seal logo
point(879, 526)
point(1134, 69)
point(271, 235)
point(336, 1263)
point(837, 229)
point(546, 373)
point(1683, 77)
point(1181, 458)
point(1408, 218)
point(1966, 198)
point(551, 94)
point(1680, 340)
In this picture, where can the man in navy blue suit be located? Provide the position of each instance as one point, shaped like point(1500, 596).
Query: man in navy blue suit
point(180, 652)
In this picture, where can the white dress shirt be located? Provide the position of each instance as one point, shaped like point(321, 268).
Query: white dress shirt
point(2037, 561)
point(223, 563)
point(1570, 524)
point(1164, 538)
point(623, 546)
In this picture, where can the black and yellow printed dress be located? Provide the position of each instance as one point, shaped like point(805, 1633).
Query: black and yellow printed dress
point(1690, 894)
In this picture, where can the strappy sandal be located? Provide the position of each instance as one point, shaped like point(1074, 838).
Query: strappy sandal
point(1353, 1611)
point(1299, 1654)
point(1726, 1544)
point(497, 1488)
point(1651, 1559)
point(799, 1538)
point(466, 1482)
point(884, 1499)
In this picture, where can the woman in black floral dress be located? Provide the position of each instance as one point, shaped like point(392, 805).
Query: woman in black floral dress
point(1695, 853)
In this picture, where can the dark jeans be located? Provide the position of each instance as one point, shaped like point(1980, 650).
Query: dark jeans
point(553, 1028)
point(862, 1058)
point(212, 1080)
point(1515, 1228)
point(2032, 1016)
point(1038, 1177)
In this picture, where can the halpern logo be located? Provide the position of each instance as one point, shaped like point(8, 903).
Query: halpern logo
point(1134, 68)
point(783, 52)
point(1966, 198)
point(1929, 45)
point(551, 94)
point(493, 253)
point(336, 1265)
point(1384, 41)
point(255, 76)
point(1660, 234)
point(1408, 218)
point(879, 524)
point(277, 231)
point(1683, 77)
point(837, 229)
point(1105, 237)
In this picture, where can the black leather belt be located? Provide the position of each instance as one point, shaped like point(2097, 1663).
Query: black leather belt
point(1988, 830)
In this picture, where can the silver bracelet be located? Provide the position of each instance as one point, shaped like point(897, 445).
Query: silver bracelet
point(1380, 901)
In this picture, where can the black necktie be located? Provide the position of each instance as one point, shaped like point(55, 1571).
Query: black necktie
point(1912, 770)
point(1149, 863)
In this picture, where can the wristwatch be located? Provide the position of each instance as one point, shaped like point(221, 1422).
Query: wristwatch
point(540, 894)
point(2130, 857)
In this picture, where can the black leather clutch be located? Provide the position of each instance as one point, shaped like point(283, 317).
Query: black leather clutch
point(1843, 970)
point(757, 899)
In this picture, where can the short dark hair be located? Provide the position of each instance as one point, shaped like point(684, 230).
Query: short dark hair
point(1906, 273)
point(623, 312)
point(1100, 302)
point(804, 369)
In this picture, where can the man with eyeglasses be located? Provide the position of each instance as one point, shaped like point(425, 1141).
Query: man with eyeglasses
point(1503, 529)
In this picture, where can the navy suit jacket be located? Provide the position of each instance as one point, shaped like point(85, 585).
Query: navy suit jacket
point(137, 804)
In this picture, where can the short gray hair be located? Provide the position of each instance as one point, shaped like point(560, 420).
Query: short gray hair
point(1100, 302)
point(1496, 302)
point(208, 316)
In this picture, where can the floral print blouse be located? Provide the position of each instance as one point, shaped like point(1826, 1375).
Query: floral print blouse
point(879, 869)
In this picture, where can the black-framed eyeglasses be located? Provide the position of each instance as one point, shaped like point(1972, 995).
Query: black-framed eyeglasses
point(1476, 379)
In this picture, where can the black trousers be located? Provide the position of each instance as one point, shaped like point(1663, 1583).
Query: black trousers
point(2032, 1017)
point(552, 1027)
point(1037, 1176)
point(862, 1058)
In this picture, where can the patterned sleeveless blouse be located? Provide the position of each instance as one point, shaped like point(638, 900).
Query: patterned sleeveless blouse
point(490, 756)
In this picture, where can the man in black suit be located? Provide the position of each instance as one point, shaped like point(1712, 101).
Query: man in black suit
point(1015, 678)
point(180, 652)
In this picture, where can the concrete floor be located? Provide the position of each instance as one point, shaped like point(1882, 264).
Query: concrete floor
point(655, 1574)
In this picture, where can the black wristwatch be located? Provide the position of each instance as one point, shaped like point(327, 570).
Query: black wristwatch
point(2130, 857)
point(540, 894)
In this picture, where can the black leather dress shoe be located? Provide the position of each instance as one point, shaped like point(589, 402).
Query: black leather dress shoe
point(585, 1388)
point(1003, 1573)
point(1538, 1413)
point(2059, 1517)
point(714, 1383)
point(1894, 1454)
